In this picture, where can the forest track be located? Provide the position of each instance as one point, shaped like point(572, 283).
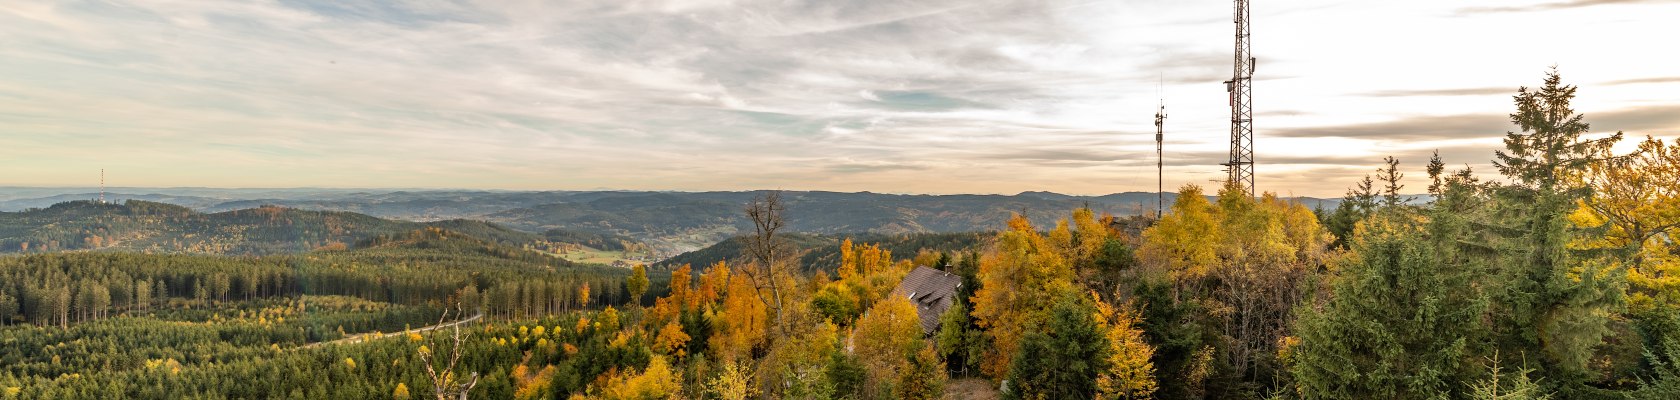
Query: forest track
point(366, 337)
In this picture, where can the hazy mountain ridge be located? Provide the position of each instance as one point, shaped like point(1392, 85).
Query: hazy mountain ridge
point(672, 222)
point(157, 227)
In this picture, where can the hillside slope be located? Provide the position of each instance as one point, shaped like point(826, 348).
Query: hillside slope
point(156, 227)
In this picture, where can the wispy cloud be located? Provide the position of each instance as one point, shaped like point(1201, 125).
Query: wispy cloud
point(1412, 129)
point(990, 96)
point(1662, 79)
point(1481, 91)
point(1560, 5)
point(1653, 120)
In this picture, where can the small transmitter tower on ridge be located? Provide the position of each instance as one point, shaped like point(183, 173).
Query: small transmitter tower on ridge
point(1160, 174)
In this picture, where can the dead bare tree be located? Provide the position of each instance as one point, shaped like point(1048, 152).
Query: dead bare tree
point(445, 384)
point(765, 249)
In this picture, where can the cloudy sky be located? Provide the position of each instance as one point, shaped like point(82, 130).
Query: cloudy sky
point(931, 96)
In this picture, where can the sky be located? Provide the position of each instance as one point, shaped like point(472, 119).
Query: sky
point(929, 96)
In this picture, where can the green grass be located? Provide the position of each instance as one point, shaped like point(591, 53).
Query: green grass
point(590, 255)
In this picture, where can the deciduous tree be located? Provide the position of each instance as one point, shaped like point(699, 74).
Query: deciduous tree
point(1019, 281)
point(637, 283)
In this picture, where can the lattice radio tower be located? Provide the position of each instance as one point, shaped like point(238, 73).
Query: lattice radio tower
point(1240, 169)
point(1160, 175)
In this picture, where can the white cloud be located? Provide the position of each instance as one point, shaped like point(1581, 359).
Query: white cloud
point(935, 96)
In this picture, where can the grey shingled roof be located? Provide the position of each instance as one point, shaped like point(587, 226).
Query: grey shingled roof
point(932, 292)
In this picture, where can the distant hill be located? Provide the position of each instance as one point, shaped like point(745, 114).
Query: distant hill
point(444, 241)
point(193, 202)
point(679, 222)
point(669, 222)
point(157, 227)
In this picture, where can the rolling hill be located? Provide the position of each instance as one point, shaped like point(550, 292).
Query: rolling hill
point(668, 222)
point(157, 227)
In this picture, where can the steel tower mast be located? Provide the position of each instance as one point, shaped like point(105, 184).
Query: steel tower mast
point(1240, 169)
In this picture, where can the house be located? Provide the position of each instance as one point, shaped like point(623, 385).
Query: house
point(932, 292)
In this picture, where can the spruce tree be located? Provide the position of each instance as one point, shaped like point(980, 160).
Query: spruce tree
point(1064, 362)
point(1552, 302)
point(1400, 321)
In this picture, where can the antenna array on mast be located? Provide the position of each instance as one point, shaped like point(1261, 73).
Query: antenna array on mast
point(1160, 174)
point(1240, 169)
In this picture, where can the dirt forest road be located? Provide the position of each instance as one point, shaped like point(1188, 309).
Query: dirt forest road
point(367, 337)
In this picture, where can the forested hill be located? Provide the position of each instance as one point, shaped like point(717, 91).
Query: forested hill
point(670, 222)
point(681, 222)
point(157, 227)
point(669, 214)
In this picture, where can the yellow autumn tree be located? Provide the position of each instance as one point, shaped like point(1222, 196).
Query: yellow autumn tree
point(682, 280)
point(1092, 234)
point(657, 381)
point(1243, 259)
point(866, 273)
point(583, 295)
point(532, 385)
point(1259, 279)
point(637, 283)
point(885, 337)
point(1020, 280)
point(1183, 244)
point(608, 319)
point(713, 283)
point(848, 269)
point(1130, 374)
point(1635, 211)
point(798, 362)
point(672, 340)
point(733, 382)
point(670, 308)
point(741, 322)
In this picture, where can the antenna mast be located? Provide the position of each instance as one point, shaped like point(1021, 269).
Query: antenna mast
point(1240, 169)
point(1160, 175)
point(101, 186)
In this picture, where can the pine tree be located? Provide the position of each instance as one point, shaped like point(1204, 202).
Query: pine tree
point(8, 308)
point(1553, 301)
point(1506, 386)
point(1400, 320)
point(1354, 207)
point(1065, 361)
point(1664, 358)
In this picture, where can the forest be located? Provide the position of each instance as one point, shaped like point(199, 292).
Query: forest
point(1555, 280)
point(144, 226)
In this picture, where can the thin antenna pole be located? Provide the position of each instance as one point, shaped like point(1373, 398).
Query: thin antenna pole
point(1160, 163)
point(101, 186)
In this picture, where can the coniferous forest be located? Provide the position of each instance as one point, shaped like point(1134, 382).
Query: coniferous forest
point(1552, 277)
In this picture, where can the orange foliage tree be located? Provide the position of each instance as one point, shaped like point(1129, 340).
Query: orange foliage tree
point(1021, 279)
